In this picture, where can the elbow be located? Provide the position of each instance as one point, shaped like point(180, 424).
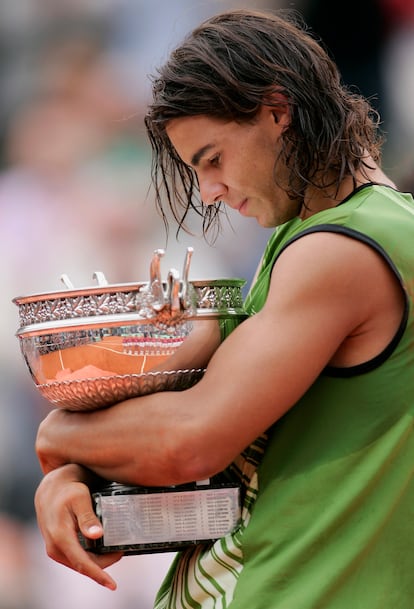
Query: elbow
point(194, 470)
point(196, 460)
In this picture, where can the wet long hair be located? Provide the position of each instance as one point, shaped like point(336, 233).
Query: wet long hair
point(226, 69)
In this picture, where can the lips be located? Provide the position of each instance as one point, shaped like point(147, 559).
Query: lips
point(242, 207)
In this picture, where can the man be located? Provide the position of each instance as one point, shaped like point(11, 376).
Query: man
point(309, 402)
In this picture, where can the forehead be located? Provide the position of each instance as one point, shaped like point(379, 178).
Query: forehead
point(194, 136)
point(187, 124)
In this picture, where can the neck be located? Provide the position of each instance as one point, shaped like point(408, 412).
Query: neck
point(318, 199)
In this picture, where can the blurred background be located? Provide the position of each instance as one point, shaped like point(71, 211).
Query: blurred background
point(74, 199)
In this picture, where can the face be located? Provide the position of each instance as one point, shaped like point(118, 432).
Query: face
point(235, 163)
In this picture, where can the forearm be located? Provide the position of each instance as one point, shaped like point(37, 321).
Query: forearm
point(176, 437)
point(122, 442)
point(197, 348)
point(139, 441)
point(73, 472)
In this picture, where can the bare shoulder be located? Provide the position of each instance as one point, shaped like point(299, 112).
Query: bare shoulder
point(339, 281)
point(332, 300)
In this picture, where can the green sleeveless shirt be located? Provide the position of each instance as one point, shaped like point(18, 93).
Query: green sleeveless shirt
point(328, 513)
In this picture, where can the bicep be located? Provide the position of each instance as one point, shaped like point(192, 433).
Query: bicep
point(319, 296)
point(265, 366)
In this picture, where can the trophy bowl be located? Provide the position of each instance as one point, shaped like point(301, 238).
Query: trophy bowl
point(91, 347)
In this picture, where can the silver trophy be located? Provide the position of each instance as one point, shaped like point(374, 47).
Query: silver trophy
point(92, 347)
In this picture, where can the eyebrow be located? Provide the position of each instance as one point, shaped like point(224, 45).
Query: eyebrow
point(195, 159)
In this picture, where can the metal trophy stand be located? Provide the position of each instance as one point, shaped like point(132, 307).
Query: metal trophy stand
point(139, 520)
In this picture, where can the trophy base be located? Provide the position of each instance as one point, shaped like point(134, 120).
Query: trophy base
point(141, 520)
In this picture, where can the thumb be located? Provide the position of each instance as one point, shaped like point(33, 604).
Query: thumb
point(90, 525)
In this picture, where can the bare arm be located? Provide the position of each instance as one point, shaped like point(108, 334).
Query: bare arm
point(331, 300)
point(197, 348)
point(330, 297)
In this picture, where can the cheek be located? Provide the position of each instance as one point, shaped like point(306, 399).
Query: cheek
point(260, 173)
point(263, 161)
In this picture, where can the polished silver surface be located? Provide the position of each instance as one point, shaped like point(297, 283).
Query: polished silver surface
point(204, 298)
point(91, 347)
point(93, 393)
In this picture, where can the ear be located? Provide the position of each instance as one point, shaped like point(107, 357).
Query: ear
point(278, 105)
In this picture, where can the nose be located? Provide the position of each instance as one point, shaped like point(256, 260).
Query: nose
point(211, 192)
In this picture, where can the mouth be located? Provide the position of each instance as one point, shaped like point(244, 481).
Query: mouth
point(242, 207)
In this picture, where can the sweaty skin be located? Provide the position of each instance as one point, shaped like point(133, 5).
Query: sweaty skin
point(343, 311)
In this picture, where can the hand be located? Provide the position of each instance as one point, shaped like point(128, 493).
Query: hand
point(64, 507)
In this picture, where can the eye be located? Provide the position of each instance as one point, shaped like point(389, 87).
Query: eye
point(215, 160)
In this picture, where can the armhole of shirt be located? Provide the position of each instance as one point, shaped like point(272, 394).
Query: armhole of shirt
point(388, 350)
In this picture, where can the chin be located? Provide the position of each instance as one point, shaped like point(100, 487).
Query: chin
point(265, 223)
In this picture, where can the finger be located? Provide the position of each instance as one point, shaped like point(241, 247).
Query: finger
point(64, 546)
point(60, 527)
point(107, 559)
point(90, 565)
point(89, 525)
